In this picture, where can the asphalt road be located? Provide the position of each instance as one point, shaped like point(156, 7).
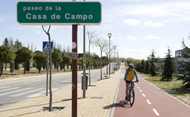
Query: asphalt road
point(19, 89)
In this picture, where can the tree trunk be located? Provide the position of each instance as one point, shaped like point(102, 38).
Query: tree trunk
point(101, 66)
point(5, 66)
point(57, 66)
point(38, 70)
point(1, 69)
point(64, 67)
point(50, 80)
point(24, 67)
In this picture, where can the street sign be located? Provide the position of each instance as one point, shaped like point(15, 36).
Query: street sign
point(59, 13)
point(46, 46)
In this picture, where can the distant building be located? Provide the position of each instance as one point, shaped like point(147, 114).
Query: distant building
point(178, 53)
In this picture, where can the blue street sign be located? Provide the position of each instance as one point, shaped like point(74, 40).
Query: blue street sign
point(46, 46)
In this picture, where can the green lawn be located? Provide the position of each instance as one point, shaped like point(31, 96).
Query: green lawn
point(174, 88)
point(33, 72)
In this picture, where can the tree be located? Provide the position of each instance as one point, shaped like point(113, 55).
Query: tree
point(11, 67)
point(6, 56)
point(101, 43)
point(50, 80)
point(66, 61)
point(142, 70)
point(6, 43)
point(56, 57)
point(168, 67)
point(152, 63)
point(147, 68)
point(17, 45)
point(90, 38)
point(40, 58)
point(11, 43)
point(186, 65)
point(23, 55)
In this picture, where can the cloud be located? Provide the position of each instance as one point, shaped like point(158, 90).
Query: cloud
point(162, 11)
point(132, 22)
point(136, 54)
point(119, 37)
point(150, 23)
point(152, 37)
point(132, 38)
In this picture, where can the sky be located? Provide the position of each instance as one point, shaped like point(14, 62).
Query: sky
point(137, 27)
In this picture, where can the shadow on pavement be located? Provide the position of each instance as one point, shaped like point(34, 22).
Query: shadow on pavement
point(122, 103)
point(70, 99)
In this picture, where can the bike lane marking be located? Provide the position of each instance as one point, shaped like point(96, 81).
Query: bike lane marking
point(156, 112)
point(143, 95)
point(148, 102)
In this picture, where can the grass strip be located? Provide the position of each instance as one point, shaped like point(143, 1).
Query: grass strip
point(174, 88)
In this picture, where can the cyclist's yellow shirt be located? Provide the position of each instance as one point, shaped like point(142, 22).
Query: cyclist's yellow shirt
point(130, 75)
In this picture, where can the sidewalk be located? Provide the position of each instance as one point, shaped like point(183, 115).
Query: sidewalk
point(98, 102)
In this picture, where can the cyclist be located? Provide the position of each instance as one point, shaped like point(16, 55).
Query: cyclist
point(129, 76)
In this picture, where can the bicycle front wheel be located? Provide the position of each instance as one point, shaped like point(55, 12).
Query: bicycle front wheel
point(132, 97)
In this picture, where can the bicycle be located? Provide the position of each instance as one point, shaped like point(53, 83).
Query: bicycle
point(131, 94)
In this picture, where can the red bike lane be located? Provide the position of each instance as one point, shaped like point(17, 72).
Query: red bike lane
point(149, 102)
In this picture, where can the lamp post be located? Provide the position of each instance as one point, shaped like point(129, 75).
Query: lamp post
point(114, 60)
point(117, 60)
point(109, 35)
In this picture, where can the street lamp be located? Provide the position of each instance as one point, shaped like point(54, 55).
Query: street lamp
point(114, 60)
point(109, 35)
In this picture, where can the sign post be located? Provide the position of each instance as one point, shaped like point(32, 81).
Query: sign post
point(46, 47)
point(62, 13)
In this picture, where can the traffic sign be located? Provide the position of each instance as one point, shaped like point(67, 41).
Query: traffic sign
point(59, 13)
point(46, 46)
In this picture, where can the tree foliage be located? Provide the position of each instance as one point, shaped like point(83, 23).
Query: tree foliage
point(147, 68)
point(23, 55)
point(142, 69)
point(40, 58)
point(186, 65)
point(6, 56)
point(66, 60)
point(168, 67)
point(56, 56)
point(152, 63)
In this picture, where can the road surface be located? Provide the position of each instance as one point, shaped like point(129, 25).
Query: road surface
point(19, 89)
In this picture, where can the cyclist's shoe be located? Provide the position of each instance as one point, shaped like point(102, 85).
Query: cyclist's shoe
point(126, 98)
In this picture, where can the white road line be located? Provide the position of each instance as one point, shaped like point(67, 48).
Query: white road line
point(3, 87)
point(148, 101)
point(38, 94)
point(169, 94)
point(9, 89)
point(156, 112)
point(143, 95)
point(138, 87)
point(2, 94)
point(20, 94)
point(140, 90)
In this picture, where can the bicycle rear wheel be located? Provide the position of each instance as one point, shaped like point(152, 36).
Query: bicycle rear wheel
point(131, 97)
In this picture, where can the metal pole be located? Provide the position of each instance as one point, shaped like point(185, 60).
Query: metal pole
point(84, 64)
point(89, 62)
point(47, 76)
point(109, 55)
point(114, 61)
point(74, 70)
